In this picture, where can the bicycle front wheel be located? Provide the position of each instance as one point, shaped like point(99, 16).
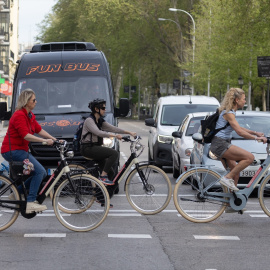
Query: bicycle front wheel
point(151, 194)
point(7, 215)
point(74, 168)
point(86, 207)
point(192, 202)
point(264, 195)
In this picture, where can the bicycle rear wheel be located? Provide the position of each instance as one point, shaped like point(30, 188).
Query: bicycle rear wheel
point(82, 211)
point(194, 204)
point(153, 198)
point(7, 215)
point(264, 195)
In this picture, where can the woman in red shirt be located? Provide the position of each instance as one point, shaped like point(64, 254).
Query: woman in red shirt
point(22, 126)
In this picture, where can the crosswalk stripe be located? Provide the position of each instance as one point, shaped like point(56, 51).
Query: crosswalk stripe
point(45, 235)
point(129, 236)
point(215, 237)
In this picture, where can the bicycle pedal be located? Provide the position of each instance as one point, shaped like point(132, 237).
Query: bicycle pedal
point(240, 212)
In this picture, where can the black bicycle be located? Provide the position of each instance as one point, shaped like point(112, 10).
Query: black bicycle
point(75, 201)
point(148, 188)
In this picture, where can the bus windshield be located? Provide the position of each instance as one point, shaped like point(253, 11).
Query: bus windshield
point(66, 94)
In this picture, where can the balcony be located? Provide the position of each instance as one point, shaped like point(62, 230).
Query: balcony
point(2, 4)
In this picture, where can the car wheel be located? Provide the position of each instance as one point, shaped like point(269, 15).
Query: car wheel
point(176, 172)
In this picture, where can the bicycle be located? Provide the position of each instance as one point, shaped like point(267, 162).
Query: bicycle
point(199, 197)
point(74, 201)
point(148, 188)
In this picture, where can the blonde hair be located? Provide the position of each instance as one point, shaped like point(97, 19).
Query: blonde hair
point(24, 97)
point(229, 100)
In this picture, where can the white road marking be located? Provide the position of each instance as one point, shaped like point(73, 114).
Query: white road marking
point(52, 215)
point(125, 215)
point(259, 216)
point(45, 235)
point(215, 237)
point(129, 236)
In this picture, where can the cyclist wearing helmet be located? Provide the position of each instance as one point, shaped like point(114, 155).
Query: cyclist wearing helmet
point(95, 128)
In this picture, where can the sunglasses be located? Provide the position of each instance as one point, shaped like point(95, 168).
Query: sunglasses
point(34, 100)
point(103, 108)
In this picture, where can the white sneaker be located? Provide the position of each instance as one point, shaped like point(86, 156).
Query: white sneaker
point(34, 207)
point(231, 210)
point(228, 182)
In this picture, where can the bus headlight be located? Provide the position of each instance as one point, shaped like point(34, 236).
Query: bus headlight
point(108, 142)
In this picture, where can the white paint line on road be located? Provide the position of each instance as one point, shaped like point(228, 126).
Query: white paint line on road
point(215, 237)
point(52, 215)
point(56, 235)
point(259, 216)
point(125, 215)
point(129, 236)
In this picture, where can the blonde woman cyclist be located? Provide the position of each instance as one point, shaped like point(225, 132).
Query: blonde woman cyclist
point(221, 144)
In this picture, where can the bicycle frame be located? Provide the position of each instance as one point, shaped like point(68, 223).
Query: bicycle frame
point(132, 160)
point(60, 170)
point(243, 194)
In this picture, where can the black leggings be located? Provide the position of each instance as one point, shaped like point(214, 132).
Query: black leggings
point(105, 157)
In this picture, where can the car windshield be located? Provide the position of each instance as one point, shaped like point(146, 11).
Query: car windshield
point(173, 115)
point(257, 123)
point(194, 125)
point(66, 95)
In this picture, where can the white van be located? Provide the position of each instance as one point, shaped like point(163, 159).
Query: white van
point(169, 114)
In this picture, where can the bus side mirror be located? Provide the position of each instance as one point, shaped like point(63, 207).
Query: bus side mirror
point(4, 115)
point(123, 109)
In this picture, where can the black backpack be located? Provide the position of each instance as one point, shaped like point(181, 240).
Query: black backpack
point(78, 136)
point(208, 129)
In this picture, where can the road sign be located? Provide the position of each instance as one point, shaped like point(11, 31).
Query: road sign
point(263, 63)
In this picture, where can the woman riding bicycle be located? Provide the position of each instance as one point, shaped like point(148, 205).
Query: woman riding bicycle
point(231, 156)
point(95, 128)
point(22, 126)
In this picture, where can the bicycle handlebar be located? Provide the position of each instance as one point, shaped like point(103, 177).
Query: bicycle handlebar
point(127, 138)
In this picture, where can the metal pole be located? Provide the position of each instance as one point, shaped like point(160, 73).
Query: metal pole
point(267, 108)
point(194, 28)
point(139, 96)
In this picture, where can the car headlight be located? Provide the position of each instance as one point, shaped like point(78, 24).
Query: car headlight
point(108, 142)
point(212, 156)
point(165, 139)
point(188, 152)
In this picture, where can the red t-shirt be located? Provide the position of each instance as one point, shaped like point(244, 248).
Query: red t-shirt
point(20, 124)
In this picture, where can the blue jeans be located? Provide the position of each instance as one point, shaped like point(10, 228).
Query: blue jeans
point(34, 181)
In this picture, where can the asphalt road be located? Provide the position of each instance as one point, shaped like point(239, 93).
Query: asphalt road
point(129, 240)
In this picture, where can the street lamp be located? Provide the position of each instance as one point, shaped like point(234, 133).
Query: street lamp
point(163, 19)
point(181, 10)
point(240, 81)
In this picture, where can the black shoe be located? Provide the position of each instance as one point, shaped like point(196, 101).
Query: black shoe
point(102, 204)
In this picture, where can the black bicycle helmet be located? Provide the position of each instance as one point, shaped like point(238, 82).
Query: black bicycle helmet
point(96, 103)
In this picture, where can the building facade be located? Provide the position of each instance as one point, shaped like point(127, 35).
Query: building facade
point(9, 46)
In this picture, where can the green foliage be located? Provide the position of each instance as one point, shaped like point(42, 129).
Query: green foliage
point(230, 34)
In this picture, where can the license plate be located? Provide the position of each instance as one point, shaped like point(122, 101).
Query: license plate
point(247, 173)
point(51, 171)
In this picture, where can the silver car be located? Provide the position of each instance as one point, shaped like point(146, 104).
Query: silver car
point(183, 143)
point(256, 121)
